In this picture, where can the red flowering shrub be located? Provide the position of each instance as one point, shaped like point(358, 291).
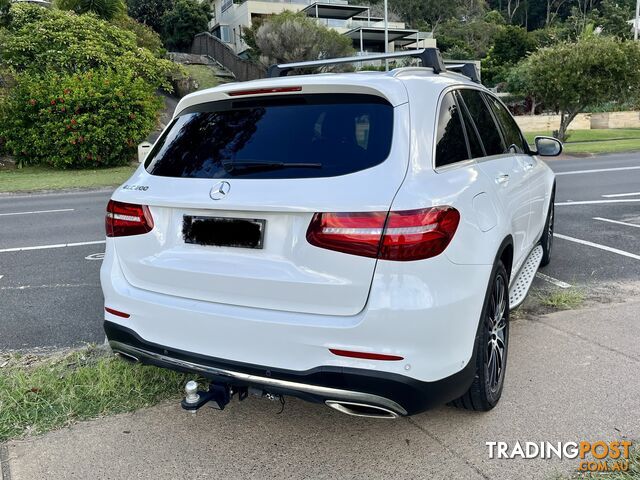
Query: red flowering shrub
point(90, 119)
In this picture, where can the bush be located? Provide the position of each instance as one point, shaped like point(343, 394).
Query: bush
point(42, 40)
point(146, 37)
point(182, 22)
point(95, 118)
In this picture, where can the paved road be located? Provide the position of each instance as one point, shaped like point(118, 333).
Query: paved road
point(51, 297)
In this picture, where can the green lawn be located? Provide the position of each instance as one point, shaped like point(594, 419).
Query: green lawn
point(38, 394)
point(597, 141)
point(43, 178)
point(203, 75)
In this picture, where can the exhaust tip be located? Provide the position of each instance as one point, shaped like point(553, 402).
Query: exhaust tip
point(127, 356)
point(361, 409)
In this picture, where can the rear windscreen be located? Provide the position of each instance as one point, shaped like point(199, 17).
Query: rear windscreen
point(296, 136)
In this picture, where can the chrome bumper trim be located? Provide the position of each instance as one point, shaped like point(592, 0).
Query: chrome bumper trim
point(329, 393)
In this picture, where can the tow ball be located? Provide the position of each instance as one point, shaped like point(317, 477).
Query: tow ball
point(218, 395)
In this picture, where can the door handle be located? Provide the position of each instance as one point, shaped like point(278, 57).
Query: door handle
point(528, 166)
point(502, 179)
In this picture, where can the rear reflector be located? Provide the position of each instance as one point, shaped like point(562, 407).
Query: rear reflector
point(124, 219)
point(263, 91)
point(400, 236)
point(366, 356)
point(117, 313)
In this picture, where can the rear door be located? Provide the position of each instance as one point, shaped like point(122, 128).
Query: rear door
point(233, 186)
point(504, 169)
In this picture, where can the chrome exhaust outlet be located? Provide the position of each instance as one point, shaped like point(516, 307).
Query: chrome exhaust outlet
point(127, 356)
point(361, 409)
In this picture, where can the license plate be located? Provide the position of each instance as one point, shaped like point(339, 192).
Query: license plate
point(223, 231)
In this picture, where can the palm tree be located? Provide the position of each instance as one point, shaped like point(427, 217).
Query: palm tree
point(106, 9)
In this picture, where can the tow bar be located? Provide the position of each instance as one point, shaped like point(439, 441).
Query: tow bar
point(218, 395)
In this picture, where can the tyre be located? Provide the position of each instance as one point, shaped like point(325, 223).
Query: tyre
point(491, 345)
point(547, 235)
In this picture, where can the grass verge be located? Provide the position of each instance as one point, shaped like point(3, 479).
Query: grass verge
point(29, 179)
point(565, 299)
point(38, 394)
point(597, 141)
point(204, 76)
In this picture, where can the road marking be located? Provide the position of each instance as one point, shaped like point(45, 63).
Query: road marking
point(1, 277)
point(44, 247)
point(554, 281)
point(597, 245)
point(596, 202)
point(95, 256)
point(618, 222)
point(56, 285)
point(38, 211)
point(613, 195)
point(597, 170)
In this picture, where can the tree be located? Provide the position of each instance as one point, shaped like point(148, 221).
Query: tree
point(41, 39)
point(106, 9)
point(573, 76)
point(293, 37)
point(183, 21)
point(4, 11)
point(511, 44)
point(149, 12)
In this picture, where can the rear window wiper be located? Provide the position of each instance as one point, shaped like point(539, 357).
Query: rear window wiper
point(231, 166)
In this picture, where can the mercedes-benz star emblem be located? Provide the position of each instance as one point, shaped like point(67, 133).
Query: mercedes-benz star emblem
point(220, 190)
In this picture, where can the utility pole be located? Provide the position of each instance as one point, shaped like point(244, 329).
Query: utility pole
point(386, 32)
point(635, 21)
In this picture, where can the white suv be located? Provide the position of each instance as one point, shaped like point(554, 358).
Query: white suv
point(352, 239)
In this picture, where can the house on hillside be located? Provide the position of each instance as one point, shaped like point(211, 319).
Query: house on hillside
point(230, 17)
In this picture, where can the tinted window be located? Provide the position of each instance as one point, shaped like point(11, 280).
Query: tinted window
point(450, 143)
point(512, 136)
point(278, 137)
point(487, 128)
point(472, 134)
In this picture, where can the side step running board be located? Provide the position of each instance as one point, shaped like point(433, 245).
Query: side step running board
point(521, 285)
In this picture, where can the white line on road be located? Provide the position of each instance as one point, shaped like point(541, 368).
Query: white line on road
point(618, 222)
point(554, 281)
point(596, 202)
point(598, 170)
point(38, 211)
point(56, 285)
point(614, 195)
point(597, 245)
point(44, 247)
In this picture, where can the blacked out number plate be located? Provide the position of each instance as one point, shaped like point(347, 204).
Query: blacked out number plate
point(223, 231)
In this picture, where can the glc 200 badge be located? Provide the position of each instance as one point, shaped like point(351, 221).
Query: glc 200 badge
point(220, 190)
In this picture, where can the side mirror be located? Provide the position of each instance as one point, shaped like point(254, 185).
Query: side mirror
point(548, 146)
point(143, 150)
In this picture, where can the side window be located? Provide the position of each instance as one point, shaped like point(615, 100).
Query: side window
point(451, 146)
point(487, 128)
point(512, 135)
point(475, 145)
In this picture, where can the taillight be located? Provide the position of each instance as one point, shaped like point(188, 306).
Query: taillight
point(401, 236)
point(124, 219)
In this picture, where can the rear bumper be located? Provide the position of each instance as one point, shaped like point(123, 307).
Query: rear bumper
point(399, 394)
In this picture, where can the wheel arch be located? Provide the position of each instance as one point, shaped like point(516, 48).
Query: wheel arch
point(505, 254)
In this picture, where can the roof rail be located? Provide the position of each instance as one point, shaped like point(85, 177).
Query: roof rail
point(430, 57)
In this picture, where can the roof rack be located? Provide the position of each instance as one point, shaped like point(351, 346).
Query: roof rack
point(430, 57)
